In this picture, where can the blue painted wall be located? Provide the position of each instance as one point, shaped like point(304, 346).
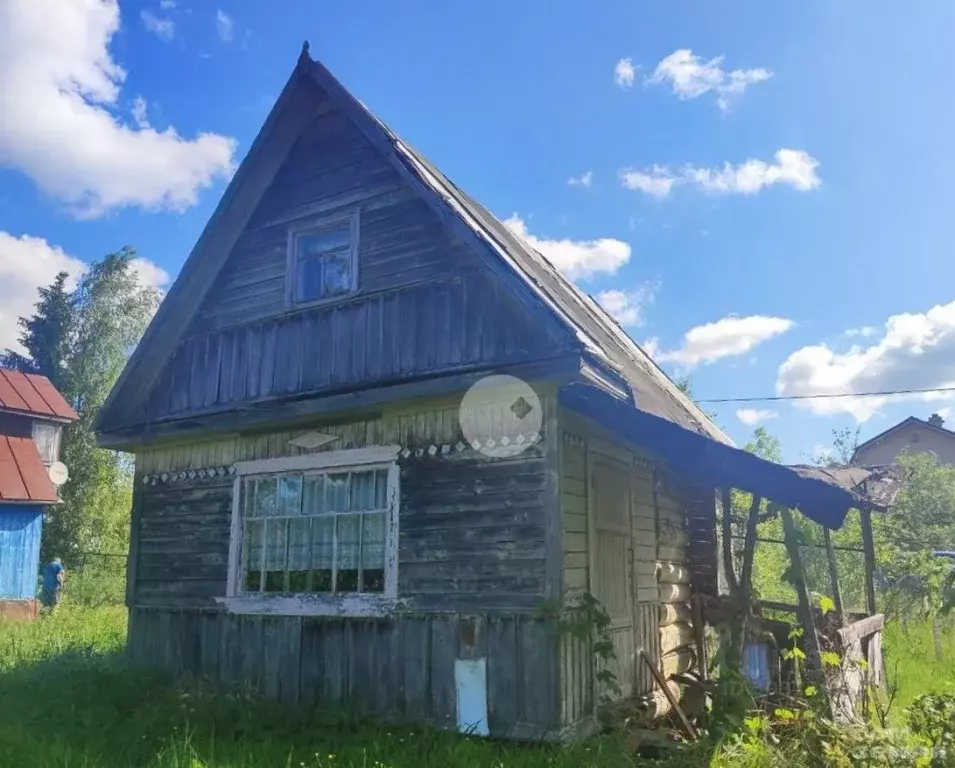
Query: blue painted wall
point(20, 529)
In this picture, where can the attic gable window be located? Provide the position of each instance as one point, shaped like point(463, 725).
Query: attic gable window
point(315, 534)
point(323, 261)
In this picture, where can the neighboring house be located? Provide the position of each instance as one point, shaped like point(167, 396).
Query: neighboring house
point(325, 507)
point(32, 417)
point(911, 435)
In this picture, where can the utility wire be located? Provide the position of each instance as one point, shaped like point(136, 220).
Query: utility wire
point(777, 398)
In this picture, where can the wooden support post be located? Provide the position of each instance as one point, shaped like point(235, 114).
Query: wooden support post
point(868, 547)
point(685, 724)
point(814, 658)
point(728, 568)
point(833, 572)
point(699, 633)
point(749, 552)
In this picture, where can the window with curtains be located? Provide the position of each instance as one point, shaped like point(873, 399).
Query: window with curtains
point(316, 532)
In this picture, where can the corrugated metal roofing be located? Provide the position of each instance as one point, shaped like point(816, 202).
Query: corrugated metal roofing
point(33, 394)
point(23, 476)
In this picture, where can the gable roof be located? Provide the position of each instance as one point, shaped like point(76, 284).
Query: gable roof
point(34, 395)
point(911, 421)
point(534, 280)
point(23, 476)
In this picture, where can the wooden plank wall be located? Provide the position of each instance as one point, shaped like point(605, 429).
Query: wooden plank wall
point(662, 575)
point(471, 529)
point(424, 301)
point(396, 669)
point(20, 529)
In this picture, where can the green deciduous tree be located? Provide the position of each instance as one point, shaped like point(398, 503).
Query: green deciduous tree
point(81, 341)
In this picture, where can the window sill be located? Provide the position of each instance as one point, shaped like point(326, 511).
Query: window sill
point(310, 605)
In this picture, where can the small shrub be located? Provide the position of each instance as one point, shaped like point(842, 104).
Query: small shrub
point(932, 718)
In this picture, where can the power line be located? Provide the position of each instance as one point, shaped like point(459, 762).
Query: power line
point(777, 398)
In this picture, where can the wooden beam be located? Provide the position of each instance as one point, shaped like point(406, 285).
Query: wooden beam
point(861, 629)
point(728, 568)
point(833, 571)
point(814, 657)
point(837, 547)
point(749, 552)
point(868, 546)
point(688, 728)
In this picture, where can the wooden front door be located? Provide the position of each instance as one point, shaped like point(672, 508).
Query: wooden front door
point(612, 553)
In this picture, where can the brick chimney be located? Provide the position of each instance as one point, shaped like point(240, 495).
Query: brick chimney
point(935, 420)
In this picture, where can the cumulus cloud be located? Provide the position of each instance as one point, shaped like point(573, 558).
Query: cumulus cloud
point(690, 77)
point(728, 337)
point(576, 259)
point(655, 181)
point(624, 72)
point(225, 27)
point(865, 331)
point(584, 180)
point(626, 307)
point(28, 263)
point(753, 416)
point(59, 96)
point(164, 29)
point(790, 167)
point(915, 351)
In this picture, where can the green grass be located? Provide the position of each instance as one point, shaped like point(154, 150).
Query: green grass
point(67, 700)
point(911, 665)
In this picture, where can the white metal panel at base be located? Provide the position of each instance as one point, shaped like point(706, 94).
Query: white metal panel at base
point(470, 685)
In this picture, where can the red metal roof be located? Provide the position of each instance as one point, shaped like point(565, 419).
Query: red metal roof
point(30, 393)
point(23, 476)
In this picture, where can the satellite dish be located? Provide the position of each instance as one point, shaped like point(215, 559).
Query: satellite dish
point(59, 473)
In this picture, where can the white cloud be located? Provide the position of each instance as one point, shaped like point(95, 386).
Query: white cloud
point(164, 29)
point(139, 112)
point(225, 27)
point(752, 416)
point(28, 263)
point(626, 307)
point(584, 180)
point(59, 89)
point(655, 181)
point(691, 77)
point(728, 337)
point(167, 5)
point(865, 332)
point(651, 347)
point(623, 73)
point(150, 274)
point(916, 351)
point(791, 167)
point(576, 259)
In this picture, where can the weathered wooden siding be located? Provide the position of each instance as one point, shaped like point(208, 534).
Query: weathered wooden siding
point(472, 529)
point(20, 528)
point(573, 500)
point(660, 534)
point(397, 669)
point(424, 301)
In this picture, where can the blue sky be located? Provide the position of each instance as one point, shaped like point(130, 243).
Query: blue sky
point(787, 222)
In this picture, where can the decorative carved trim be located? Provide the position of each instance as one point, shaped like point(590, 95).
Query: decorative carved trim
point(206, 473)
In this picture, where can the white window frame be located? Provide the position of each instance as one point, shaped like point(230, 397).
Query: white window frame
point(57, 438)
point(350, 220)
point(349, 604)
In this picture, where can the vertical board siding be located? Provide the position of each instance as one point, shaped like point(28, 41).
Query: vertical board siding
point(382, 338)
point(20, 529)
point(401, 670)
point(573, 503)
point(424, 301)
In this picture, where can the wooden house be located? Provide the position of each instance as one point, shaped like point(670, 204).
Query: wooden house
point(32, 417)
point(329, 503)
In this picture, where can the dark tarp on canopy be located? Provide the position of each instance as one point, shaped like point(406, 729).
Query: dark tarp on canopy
point(821, 495)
